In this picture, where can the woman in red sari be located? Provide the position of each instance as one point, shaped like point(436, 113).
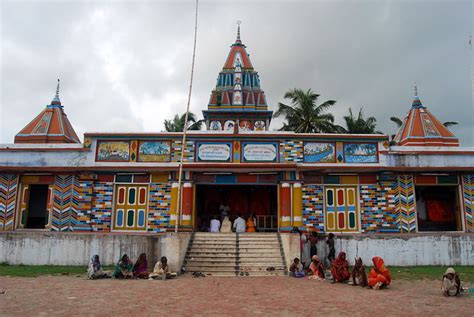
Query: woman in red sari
point(340, 268)
point(317, 268)
point(379, 276)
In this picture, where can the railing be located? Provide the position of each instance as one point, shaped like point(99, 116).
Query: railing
point(267, 223)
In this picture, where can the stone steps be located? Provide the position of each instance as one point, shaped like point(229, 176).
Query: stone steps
point(230, 254)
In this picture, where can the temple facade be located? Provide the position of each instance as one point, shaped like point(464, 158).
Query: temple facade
point(342, 183)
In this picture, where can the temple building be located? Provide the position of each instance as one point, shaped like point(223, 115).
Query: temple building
point(354, 185)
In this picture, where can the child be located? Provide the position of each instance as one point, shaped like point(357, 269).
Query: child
point(296, 268)
point(332, 249)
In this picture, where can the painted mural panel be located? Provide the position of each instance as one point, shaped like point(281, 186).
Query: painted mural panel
point(259, 152)
point(318, 152)
point(360, 153)
point(113, 151)
point(214, 152)
point(154, 151)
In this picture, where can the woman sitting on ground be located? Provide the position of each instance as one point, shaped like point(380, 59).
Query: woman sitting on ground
point(296, 268)
point(317, 268)
point(250, 224)
point(379, 276)
point(451, 283)
point(124, 267)
point(161, 270)
point(340, 268)
point(226, 226)
point(140, 269)
point(95, 269)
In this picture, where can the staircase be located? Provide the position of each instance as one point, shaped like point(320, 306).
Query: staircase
point(235, 254)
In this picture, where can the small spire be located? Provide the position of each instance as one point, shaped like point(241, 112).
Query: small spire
point(238, 32)
point(416, 100)
point(56, 100)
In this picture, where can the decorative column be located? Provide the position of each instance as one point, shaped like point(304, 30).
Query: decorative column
point(285, 207)
point(297, 205)
point(173, 205)
point(187, 206)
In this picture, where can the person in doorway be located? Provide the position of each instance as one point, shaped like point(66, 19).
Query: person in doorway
point(239, 224)
point(95, 269)
point(340, 268)
point(161, 270)
point(332, 250)
point(226, 226)
point(296, 268)
point(313, 243)
point(215, 225)
point(359, 278)
point(379, 276)
point(451, 285)
point(224, 209)
point(251, 223)
point(317, 268)
point(124, 268)
point(140, 269)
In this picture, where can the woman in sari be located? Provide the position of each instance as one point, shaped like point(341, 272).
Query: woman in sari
point(250, 224)
point(95, 269)
point(226, 226)
point(161, 270)
point(340, 268)
point(124, 267)
point(451, 285)
point(379, 276)
point(317, 268)
point(140, 269)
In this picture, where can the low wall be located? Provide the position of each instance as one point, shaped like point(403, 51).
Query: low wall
point(400, 250)
point(51, 248)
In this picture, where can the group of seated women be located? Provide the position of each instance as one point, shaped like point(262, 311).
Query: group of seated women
point(125, 269)
point(379, 275)
point(227, 226)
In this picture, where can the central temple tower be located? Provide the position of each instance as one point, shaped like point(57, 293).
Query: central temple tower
point(237, 103)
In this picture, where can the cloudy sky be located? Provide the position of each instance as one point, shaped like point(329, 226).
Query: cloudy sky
point(124, 65)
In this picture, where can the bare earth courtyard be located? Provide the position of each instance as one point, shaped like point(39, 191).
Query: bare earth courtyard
point(219, 296)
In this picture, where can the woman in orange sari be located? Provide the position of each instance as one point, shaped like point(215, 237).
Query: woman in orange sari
point(379, 276)
point(317, 268)
point(250, 223)
point(340, 268)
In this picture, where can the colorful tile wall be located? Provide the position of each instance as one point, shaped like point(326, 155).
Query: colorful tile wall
point(159, 206)
point(378, 207)
point(83, 201)
point(468, 198)
point(64, 213)
point(102, 195)
point(8, 194)
point(291, 151)
point(313, 212)
point(188, 151)
point(406, 203)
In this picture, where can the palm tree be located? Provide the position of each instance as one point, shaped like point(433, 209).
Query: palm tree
point(359, 124)
point(304, 115)
point(177, 123)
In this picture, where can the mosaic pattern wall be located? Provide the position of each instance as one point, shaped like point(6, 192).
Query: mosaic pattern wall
point(188, 151)
point(64, 213)
point(83, 199)
point(159, 207)
point(8, 194)
point(291, 151)
point(406, 203)
point(378, 207)
point(102, 195)
point(313, 213)
point(468, 198)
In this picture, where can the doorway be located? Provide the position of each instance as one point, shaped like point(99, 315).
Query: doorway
point(37, 215)
point(239, 200)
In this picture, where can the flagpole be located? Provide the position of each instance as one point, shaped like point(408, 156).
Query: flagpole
point(185, 128)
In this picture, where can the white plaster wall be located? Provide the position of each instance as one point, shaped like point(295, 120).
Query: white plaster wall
point(399, 250)
point(35, 248)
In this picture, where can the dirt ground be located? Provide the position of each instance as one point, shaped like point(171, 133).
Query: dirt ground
point(219, 296)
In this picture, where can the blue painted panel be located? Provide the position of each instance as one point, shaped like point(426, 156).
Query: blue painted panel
point(226, 179)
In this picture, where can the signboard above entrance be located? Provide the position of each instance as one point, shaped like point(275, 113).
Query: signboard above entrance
point(260, 152)
point(214, 151)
